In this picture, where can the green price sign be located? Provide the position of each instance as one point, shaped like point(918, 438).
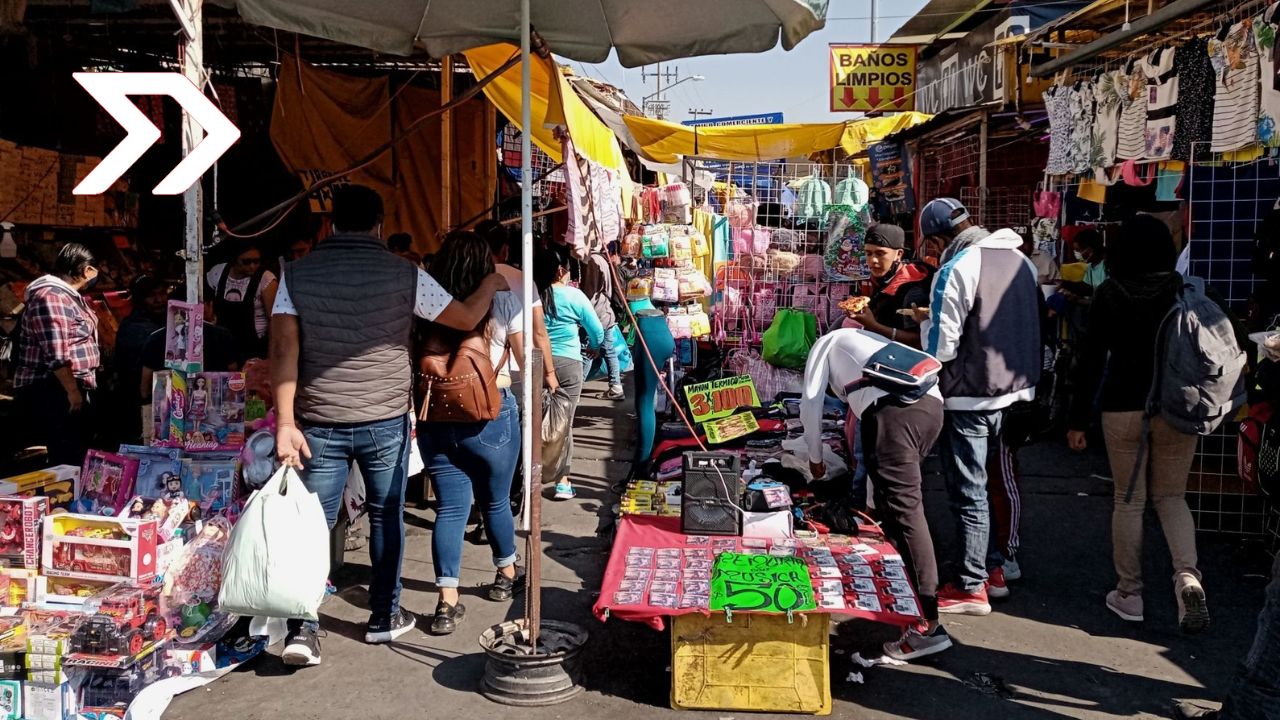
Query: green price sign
point(761, 583)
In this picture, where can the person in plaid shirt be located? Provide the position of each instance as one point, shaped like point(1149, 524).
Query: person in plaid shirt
point(59, 356)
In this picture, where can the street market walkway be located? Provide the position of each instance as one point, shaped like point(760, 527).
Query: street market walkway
point(1051, 651)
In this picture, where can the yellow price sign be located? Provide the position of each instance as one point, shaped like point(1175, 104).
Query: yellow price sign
point(721, 398)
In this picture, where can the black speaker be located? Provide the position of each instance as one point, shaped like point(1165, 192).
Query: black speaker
point(712, 486)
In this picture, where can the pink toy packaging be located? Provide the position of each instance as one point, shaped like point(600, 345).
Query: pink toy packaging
point(106, 482)
point(20, 529)
point(215, 411)
point(177, 394)
point(184, 337)
point(159, 419)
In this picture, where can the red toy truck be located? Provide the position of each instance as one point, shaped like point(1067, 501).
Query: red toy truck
point(126, 621)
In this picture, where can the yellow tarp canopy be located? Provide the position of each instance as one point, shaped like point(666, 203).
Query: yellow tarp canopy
point(553, 103)
point(665, 141)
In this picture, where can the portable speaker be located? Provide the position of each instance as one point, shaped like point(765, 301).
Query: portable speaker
point(712, 486)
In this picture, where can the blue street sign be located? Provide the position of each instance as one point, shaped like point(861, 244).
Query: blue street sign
point(760, 119)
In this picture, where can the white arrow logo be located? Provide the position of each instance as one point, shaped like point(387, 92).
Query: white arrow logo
point(112, 91)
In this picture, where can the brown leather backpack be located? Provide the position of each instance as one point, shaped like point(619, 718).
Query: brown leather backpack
point(456, 379)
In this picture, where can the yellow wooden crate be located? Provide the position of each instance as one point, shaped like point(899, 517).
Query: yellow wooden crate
point(757, 663)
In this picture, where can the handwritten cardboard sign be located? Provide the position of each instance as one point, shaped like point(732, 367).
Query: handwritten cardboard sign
point(761, 583)
point(721, 398)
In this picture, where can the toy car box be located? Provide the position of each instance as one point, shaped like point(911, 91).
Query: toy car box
point(126, 622)
point(90, 547)
point(18, 586)
point(20, 528)
point(192, 659)
point(56, 483)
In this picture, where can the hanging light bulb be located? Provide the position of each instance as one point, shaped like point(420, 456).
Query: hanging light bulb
point(8, 248)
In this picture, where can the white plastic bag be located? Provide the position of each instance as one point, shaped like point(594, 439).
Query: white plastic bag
point(277, 560)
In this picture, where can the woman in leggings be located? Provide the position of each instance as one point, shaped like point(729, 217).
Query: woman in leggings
point(567, 312)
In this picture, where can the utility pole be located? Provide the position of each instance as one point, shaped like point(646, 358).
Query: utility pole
point(695, 112)
point(659, 106)
point(191, 17)
point(874, 22)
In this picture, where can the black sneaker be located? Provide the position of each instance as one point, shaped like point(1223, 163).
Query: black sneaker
point(302, 646)
point(447, 618)
point(385, 628)
point(504, 588)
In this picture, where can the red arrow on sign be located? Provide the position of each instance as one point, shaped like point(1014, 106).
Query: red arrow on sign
point(848, 97)
point(873, 97)
point(899, 96)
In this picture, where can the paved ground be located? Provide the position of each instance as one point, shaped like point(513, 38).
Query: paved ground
point(1051, 651)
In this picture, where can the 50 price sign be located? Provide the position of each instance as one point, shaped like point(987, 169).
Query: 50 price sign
point(761, 583)
point(721, 398)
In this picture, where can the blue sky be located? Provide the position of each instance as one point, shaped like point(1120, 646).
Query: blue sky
point(793, 83)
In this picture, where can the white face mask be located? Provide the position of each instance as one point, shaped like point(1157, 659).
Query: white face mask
point(1079, 256)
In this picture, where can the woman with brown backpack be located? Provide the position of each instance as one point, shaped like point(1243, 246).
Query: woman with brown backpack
point(469, 426)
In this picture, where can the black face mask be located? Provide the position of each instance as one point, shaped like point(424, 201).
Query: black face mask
point(888, 277)
point(88, 284)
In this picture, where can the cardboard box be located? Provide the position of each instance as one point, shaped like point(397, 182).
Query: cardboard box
point(21, 523)
point(106, 482)
point(18, 586)
point(90, 547)
point(49, 702)
point(11, 700)
point(70, 593)
point(56, 483)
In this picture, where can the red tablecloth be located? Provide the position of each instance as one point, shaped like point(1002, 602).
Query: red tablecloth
point(877, 574)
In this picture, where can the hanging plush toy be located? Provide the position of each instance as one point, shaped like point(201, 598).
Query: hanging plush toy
point(258, 459)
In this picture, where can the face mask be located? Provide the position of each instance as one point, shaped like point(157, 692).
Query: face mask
point(88, 284)
point(1079, 256)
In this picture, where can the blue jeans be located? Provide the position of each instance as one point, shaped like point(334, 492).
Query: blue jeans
point(1255, 693)
point(967, 439)
point(610, 352)
point(466, 458)
point(381, 450)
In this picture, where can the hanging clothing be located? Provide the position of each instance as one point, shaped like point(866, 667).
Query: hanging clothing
point(1162, 101)
point(813, 195)
point(852, 191)
point(1057, 100)
point(1234, 54)
point(1265, 27)
point(595, 203)
point(1082, 117)
point(1195, 97)
point(1106, 126)
point(1133, 113)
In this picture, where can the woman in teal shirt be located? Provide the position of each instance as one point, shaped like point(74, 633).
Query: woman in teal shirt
point(568, 312)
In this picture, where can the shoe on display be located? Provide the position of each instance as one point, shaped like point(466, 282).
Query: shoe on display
point(1128, 607)
point(385, 628)
point(615, 393)
point(302, 646)
point(565, 491)
point(447, 618)
point(1193, 609)
point(997, 588)
point(504, 588)
point(914, 645)
point(954, 601)
point(1012, 570)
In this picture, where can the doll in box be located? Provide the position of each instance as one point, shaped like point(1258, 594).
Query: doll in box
point(184, 336)
point(216, 412)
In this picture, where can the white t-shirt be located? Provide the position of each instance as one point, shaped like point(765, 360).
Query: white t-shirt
point(1265, 28)
point(1162, 102)
point(506, 319)
point(429, 301)
point(1131, 142)
point(1234, 52)
point(236, 288)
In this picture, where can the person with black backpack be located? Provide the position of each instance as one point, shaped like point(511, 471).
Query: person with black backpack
point(1156, 334)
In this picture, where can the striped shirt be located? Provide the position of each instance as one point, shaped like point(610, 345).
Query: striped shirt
point(1162, 103)
point(1235, 111)
point(1131, 144)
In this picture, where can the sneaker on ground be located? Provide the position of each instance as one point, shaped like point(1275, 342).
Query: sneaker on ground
point(447, 618)
point(954, 601)
point(385, 628)
point(1012, 570)
point(1193, 609)
point(565, 491)
point(997, 588)
point(615, 393)
point(302, 647)
point(1128, 607)
point(504, 588)
point(914, 645)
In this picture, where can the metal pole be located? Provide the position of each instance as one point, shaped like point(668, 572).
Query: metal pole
point(874, 21)
point(446, 144)
point(1141, 26)
point(532, 471)
point(192, 134)
point(982, 168)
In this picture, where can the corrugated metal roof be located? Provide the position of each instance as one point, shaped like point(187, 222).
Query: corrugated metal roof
point(943, 16)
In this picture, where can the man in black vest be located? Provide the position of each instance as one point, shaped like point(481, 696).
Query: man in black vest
point(340, 366)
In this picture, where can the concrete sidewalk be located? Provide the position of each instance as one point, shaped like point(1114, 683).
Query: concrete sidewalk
point(1050, 651)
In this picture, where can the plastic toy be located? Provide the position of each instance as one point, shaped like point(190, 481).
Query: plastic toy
point(20, 527)
point(128, 618)
point(156, 467)
point(91, 559)
point(184, 337)
point(56, 483)
point(176, 392)
point(192, 583)
point(105, 483)
point(169, 513)
point(95, 548)
point(107, 692)
point(215, 413)
point(211, 484)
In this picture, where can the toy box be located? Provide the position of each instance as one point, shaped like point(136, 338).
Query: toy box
point(127, 620)
point(18, 586)
point(108, 689)
point(96, 548)
point(62, 592)
point(215, 411)
point(169, 514)
point(49, 702)
point(57, 483)
point(184, 337)
point(161, 390)
point(10, 700)
point(159, 469)
point(105, 483)
point(210, 482)
point(192, 659)
point(13, 665)
point(176, 404)
point(20, 527)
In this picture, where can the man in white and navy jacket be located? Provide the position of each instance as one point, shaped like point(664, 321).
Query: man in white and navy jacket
point(984, 326)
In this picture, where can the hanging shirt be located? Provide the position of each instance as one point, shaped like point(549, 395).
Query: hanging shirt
point(1265, 27)
point(1133, 114)
point(1106, 127)
point(1195, 98)
point(1162, 101)
point(1057, 101)
point(1082, 118)
point(1234, 54)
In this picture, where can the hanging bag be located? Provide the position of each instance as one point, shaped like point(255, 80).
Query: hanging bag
point(277, 559)
point(789, 338)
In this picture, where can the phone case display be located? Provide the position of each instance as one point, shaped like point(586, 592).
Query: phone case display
point(215, 412)
point(106, 482)
point(184, 337)
point(210, 483)
point(20, 528)
point(95, 548)
point(846, 254)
